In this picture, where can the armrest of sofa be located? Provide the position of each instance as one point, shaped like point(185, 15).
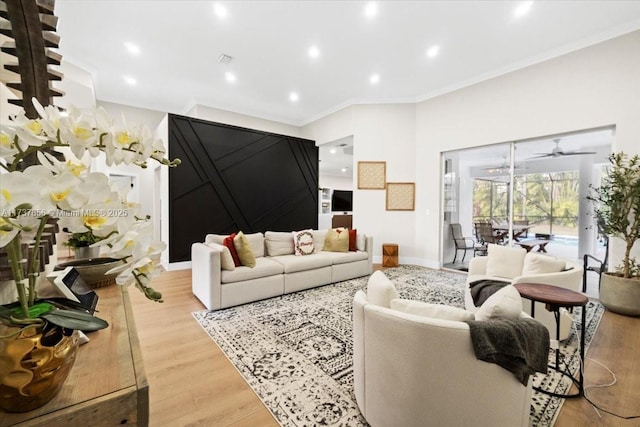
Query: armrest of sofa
point(478, 266)
point(205, 274)
point(368, 247)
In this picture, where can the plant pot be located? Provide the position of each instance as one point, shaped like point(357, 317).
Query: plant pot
point(620, 295)
point(85, 252)
point(34, 364)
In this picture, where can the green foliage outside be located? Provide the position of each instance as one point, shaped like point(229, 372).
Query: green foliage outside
point(548, 200)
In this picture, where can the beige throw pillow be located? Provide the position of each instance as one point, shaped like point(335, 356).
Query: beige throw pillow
point(505, 303)
point(380, 290)
point(505, 261)
point(541, 264)
point(243, 248)
point(336, 240)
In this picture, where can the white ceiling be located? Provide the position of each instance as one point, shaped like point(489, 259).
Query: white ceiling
point(180, 42)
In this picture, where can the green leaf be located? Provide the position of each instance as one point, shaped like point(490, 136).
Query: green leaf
point(37, 310)
point(75, 320)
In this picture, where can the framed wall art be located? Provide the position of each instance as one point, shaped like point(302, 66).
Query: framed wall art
point(372, 175)
point(401, 196)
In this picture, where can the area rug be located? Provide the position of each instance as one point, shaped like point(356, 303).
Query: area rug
point(295, 351)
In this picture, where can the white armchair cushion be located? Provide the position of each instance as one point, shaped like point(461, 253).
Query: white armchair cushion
point(278, 243)
point(439, 311)
point(505, 303)
point(380, 290)
point(226, 260)
point(505, 261)
point(535, 263)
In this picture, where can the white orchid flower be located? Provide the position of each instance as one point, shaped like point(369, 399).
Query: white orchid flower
point(16, 188)
point(8, 148)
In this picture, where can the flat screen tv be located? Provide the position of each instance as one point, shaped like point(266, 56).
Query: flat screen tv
point(342, 201)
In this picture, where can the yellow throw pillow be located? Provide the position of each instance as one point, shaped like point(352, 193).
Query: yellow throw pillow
point(336, 240)
point(243, 248)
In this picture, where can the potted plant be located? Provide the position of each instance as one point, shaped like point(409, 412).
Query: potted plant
point(83, 202)
point(617, 210)
point(81, 242)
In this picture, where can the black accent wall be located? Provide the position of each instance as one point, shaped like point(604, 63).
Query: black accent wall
point(237, 179)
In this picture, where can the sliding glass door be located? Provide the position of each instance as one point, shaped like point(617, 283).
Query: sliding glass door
point(533, 189)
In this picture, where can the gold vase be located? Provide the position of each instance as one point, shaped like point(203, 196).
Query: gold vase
point(34, 364)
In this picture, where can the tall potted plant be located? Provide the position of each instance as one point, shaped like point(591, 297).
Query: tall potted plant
point(617, 210)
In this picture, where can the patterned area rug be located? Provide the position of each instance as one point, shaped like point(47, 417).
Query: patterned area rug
point(295, 351)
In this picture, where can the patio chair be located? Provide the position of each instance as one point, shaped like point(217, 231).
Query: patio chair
point(462, 243)
point(599, 267)
point(486, 234)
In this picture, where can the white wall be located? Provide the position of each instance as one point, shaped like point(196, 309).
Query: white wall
point(593, 87)
point(335, 182)
point(236, 119)
point(381, 132)
point(133, 115)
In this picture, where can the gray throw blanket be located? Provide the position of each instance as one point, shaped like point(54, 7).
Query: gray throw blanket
point(484, 288)
point(520, 346)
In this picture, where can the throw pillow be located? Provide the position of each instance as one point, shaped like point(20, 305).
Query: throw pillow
point(542, 264)
point(336, 240)
point(380, 290)
point(439, 311)
point(228, 243)
point(353, 240)
point(244, 250)
point(303, 242)
point(361, 241)
point(226, 260)
point(506, 303)
point(505, 261)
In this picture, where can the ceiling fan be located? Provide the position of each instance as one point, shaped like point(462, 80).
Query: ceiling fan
point(503, 168)
point(558, 152)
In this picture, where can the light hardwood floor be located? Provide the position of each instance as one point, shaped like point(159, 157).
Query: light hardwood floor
point(192, 382)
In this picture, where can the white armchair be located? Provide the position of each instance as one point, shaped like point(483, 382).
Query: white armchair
point(515, 265)
point(411, 370)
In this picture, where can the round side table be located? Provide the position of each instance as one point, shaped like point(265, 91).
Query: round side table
point(554, 298)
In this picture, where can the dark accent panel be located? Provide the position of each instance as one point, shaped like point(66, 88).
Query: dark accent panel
point(233, 179)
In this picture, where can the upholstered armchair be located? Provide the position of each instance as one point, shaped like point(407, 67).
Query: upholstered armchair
point(515, 265)
point(412, 370)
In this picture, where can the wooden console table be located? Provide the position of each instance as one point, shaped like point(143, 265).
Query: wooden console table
point(107, 385)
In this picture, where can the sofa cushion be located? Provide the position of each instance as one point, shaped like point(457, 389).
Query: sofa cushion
point(336, 240)
point(215, 238)
point(294, 263)
point(535, 263)
point(361, 242)
point(278, 243)
point(264, 267)
point(505, 261)
point(303, 242)
point(256, 241)
point(506, 303)
point(245, 252)
point(345, 257)
point(380, 290)
point(425, 309)
point(318, 239)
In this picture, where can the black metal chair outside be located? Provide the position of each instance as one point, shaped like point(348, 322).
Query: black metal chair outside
point(599, 267)
point(462, 243)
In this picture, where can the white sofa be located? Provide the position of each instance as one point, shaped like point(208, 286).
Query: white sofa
point(412, 370)
point(515, 265)
point(277, 272)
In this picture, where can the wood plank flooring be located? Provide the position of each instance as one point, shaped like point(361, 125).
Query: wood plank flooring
point(193, 384)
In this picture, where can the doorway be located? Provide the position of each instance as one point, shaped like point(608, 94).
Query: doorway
point(528, 189)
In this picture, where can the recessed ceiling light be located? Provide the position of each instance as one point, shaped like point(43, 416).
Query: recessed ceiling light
point(314, 52)
point(130, 80)
point(230, 77)
point(220, 10)
point(371, 9)
point(343, 170)
point(332, 151)
point(523, 8)
point(132, 48)
point(374, 79)
point(293, 97)
point(433, 51)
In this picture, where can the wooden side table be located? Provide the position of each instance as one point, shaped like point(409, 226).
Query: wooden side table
point(554, 298)
point(389, 255)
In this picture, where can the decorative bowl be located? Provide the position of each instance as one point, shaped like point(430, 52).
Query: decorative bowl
point(93, 270)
